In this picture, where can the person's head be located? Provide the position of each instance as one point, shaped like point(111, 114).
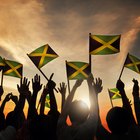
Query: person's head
point(14, 121)
point(78, 112)
point(118, 120)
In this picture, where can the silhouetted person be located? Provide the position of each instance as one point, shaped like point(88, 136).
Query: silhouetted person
point(136, 99)
point(44, 125)
point(120, 121)
point(84, 120)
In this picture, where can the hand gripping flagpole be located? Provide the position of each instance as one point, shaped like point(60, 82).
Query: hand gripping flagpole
point(43, 74)
point(123, 67)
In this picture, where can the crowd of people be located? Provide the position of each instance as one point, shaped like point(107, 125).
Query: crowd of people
point(85, 121)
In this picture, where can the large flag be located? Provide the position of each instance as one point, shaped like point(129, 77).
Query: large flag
point(47, 102)
point(132, 63)
point(42, 55)
point(104, 44)
point(13, 68)
point(114, 93)
point(77, 70)
point(2, 64)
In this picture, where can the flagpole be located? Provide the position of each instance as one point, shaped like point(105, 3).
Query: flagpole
point(2, 79)
point(43, 74)
point(68, 81)
point(110, 99)
point(89, 53)
point(123, 67)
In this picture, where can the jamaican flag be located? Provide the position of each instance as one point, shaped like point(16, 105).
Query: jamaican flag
point(42, 55)
point(132, 63)
point(104, 44)
point(2, 64)
point(13, 68)
point(47, 102)
point(77, 70)
point(114, 93)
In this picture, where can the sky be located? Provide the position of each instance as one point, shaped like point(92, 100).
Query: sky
point(65, 25)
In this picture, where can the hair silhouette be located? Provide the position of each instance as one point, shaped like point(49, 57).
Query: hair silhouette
point(118, 120)
point(78, 111)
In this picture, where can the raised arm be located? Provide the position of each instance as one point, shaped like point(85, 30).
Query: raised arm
point(36, 86)
point(62, 90)
point(65, 110)
point(53, 105)
point(43, 99)
point(6, 99)
point(1, 91)
point(95, 87)
point(135, 94)
point(23, 87)
point(126, 104)
point(69, 99)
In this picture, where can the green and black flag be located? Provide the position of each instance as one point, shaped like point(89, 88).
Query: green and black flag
point(2, 64)
point(42, 55)
point(77, 70)
point(47, 102)
point(132, 63)
point(114, 93)
point(13, 68)
point(104, 44)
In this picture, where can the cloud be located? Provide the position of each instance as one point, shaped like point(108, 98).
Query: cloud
point(65, 25)
point(135, 49)
point(6, 53)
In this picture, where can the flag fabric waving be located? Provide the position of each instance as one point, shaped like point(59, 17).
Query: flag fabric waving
point(77, 70)
point(132, 63)
point(42, 55)
point(13, 68)
point(47, 102)
point(2, 64)
point(114, 93)
point(104, 44)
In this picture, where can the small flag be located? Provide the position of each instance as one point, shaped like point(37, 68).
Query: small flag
point(47, 102)
point(77, 70)
point(2, 64)
point(114, 93)
point(132, 63)
point(13, 68)
point(42, 55)
point(104, 44)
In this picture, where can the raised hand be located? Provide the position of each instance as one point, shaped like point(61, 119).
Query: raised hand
point(120, 85)
point(96, 84)
point(36, 83)
point(23, 88)
point(8, 97)
point(14, 99)
point(78, 83)
point(62, 89)
point(51, 85)
point(135, 88)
